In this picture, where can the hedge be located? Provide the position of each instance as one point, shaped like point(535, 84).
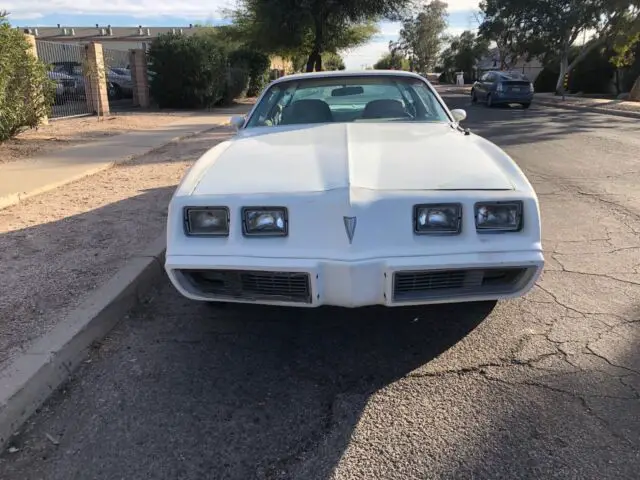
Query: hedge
point(26, 93)
point(189, 71)
point(200, 71)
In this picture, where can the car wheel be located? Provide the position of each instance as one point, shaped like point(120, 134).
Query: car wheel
point(474, 97)
point(526, 105)
point(489, 101)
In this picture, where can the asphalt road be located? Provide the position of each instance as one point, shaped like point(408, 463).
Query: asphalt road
point(547, 386)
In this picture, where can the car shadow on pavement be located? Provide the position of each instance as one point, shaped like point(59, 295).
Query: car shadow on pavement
point(319, 368)
point(249, 391)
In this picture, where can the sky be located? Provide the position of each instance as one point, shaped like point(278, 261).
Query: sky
point(157, 13)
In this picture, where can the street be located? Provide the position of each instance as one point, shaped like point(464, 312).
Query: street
point(547, 386)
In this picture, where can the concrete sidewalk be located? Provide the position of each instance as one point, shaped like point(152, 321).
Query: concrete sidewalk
point(600, 105)
point(23, 179)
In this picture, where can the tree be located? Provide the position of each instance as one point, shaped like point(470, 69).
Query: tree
point(422, 35)
point(626, 45)
point(392, 61)
point(313, 26)
point(334, 62)
point(507, 43)
point(463, 53)
point(554, 26)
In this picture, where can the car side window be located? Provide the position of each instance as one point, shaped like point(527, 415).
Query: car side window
point(484, 77)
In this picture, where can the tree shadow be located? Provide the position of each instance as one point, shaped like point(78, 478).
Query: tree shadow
point(575, 415)
point(49, 267)
point(510, 126)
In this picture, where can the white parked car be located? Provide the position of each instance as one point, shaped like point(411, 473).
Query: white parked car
point(353, 189)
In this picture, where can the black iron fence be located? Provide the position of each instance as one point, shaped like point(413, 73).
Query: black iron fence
point(118, 78)
point(66, 63)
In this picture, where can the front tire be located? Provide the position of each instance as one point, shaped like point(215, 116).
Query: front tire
point(526, 105)
point(474, 97)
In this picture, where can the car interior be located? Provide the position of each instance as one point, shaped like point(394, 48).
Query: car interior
point(344, 104)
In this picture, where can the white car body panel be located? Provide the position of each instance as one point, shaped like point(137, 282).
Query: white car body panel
point(344, 155)
point(375, 172)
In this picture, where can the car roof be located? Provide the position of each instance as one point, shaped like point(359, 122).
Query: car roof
point(349, 73)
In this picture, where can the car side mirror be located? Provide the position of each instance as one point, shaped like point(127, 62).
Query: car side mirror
point(237, 121)
point(459, 114)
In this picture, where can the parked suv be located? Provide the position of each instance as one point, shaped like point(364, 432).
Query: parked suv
point(496, 88)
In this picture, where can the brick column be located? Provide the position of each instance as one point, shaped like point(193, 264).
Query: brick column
point(37, 95)
point(140, 77)
point(96, 84)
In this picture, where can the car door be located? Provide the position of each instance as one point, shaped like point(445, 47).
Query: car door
point(482, 86)
point(490, 84)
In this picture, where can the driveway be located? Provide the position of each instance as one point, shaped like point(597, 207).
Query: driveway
point(547, 386)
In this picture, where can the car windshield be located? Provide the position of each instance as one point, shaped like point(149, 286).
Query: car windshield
point(348, 99)
point(514, 76)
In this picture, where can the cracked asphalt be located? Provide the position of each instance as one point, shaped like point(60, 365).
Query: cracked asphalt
point(546, 386)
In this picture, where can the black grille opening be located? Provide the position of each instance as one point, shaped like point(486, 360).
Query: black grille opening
point(412, 281)
point(429, 284)
point(251, 285)
point(504, 276)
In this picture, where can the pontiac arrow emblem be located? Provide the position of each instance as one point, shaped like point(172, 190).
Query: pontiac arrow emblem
point(350, 226)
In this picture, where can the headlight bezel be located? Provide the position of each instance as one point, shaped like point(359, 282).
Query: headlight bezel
point(186, 221)
point(269, 233)
point(437, 231)
point(519, 204)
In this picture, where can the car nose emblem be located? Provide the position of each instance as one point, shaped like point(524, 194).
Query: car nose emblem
point(350, 227)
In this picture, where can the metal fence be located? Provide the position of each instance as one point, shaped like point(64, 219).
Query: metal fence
point(118, 78)
point(66, 63)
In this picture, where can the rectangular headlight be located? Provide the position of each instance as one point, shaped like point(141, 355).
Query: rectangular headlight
point(498, 216)
point(441, 218)
point(265, 221)
point(206, 221)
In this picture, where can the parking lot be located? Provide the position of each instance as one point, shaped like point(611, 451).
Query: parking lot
point(547, 386)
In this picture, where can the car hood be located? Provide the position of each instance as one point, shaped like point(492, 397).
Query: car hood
point(376, 156)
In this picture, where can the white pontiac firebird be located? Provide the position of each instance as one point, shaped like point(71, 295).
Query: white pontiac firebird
point(353, 189)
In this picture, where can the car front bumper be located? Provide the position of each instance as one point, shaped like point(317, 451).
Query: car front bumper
point(391, 281)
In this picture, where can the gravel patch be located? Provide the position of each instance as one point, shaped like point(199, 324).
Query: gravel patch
point(57, 247)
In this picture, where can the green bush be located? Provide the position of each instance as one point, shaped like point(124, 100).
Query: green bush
point(189, 71)
point(546, 80)
point(593, 74)
point(237, 84)
point(257, 66)
point(26, 93)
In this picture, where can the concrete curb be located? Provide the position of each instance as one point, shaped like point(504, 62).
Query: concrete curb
point(15, 198)
point(34, 375)
point(608, 111)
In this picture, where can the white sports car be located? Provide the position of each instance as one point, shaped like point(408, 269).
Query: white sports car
point(353, 189)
